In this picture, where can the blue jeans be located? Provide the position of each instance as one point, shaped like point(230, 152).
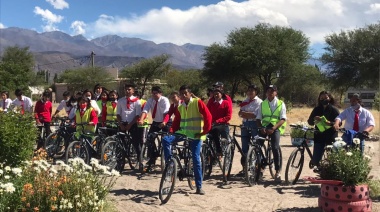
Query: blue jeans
point(246, 134)
point(195, 146)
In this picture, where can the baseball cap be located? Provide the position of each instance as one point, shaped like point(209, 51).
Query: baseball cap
point(272, 87)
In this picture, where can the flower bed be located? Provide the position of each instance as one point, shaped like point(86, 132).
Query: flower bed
point(40, 186)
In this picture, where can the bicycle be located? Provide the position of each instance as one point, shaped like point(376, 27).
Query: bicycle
point(117, 149)
point(173, 166)
point(85, 147)
point(259, 156)
point(297, 157)
point(144, 156)
point(56, 143)
point(211, 157)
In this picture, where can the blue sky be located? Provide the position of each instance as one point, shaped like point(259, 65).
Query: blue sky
point(187, 21)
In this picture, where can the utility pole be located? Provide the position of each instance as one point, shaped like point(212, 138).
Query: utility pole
point(93, 59)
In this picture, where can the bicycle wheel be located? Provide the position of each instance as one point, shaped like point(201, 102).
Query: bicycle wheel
point(168, 179)
point(270, 160)
point(189, 170)
point(77, 150)
point(252, 166)
point(144, 156)
point(52, 143)
point(207, 161)
point(120, 157)
point(294, 166)
point(108, 155)
point(132, 157)
point(227, 163)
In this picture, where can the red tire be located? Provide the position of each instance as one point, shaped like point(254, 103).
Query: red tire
point(345, 193)
point(332, 205)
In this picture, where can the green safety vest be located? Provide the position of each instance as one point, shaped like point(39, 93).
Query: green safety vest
point(191, 119)
point(84, 119)
point(111, 112)
point(143, 102)
point(270, 117)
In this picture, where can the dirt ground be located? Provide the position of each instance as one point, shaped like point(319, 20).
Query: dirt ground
point(135, 192)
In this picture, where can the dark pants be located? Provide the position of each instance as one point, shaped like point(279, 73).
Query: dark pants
point(275, 143)
point(153, 152)
point(134, 132)
point(321, 140)
point(218, 131)
point(40, 142)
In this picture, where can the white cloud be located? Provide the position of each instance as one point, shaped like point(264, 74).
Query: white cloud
point(2, 26)
point(374, 8)
point(212, 23)
point(78, 27)
point(49, 18)
point(58, 4)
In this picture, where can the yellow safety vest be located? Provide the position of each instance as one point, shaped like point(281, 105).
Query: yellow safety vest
point(84, 119)
point(111, 112)
point(143, 101)
point(270, 117)
point(191, 119)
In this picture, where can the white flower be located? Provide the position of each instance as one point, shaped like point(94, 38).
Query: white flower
point(7, 168)
point(115, 173)
point(7, 177)
point(367, 157)
point(329, 146)
point(76, 196)
point(8, 187)
point(70, 205)
point(60, 163)
point(349, 153)
point(79, 204)
point(356, 141)
point(17, 171)
point(338, 139)
point(94, 161)
point(1, 172)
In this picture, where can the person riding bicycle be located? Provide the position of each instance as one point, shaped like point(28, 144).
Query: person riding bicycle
point(323, 116)
point(193, 121)
point(128, 113)
point(158, 105)
point(42, 114)
point(221, 112)
point(248, 111)
point(85, 114)
point(356, 118)
point(271, 119)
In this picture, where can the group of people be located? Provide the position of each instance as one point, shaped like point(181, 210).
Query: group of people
point(194, 118)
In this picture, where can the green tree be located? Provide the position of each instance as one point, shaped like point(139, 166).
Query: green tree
point(146, 70)
point(85, 78)
point(263, 52)
point(175, 79)
point(353, 58)
point(16, 68)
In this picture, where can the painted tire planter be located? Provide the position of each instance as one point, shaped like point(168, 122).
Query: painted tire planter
point(328, 205)
point(345, 193)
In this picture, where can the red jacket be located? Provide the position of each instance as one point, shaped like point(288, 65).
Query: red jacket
point(42, 111)
point(221, 113)
point(207, 118)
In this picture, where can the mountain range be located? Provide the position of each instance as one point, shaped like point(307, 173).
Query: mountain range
point(57, 51)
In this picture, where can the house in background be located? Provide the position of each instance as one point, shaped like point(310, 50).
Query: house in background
point(368, 96)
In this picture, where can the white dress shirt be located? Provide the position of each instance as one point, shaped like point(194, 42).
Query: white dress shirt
point(4, 105)
point(252, 107)
point(162, 108)
point(366, 118)
point(28, 104)
point(127, 115)
point(273, 106)
point(62, 105)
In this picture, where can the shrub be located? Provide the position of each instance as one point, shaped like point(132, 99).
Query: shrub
point(351, 167)
point(17, 136)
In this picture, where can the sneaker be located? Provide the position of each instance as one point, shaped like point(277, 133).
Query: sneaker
point(277, 177)
point(200, 191)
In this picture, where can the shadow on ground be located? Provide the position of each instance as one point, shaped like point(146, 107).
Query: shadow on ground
point(305, 190)
point(310, 209)
point(137, 195)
